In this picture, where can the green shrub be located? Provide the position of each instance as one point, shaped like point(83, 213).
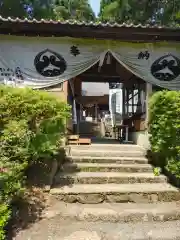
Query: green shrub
point(4, 217)
point(164, 128)
point(32, 124)
point(42, 115)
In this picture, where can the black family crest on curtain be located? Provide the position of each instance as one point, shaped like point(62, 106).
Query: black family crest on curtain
point(166, 68)
point(50, 64)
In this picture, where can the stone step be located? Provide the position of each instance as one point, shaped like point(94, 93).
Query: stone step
point(120, 160)
point(106, 153)
point(117, 212)
point(119, 147)
point(107, 177)
point(97, 193)
point(106, 167)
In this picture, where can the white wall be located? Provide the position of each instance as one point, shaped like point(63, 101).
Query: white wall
point(95, 89)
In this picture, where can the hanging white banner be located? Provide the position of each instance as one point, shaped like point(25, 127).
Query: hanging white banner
point(157, 65)
point(116, 105)
point(119, 101)
point(40, 63)
point(112, 104)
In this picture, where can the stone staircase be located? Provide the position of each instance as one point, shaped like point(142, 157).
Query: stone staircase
point(113, 182)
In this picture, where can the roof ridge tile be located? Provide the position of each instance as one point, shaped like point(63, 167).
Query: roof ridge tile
point(83, 23)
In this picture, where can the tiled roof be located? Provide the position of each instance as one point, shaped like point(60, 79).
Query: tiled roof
point(76, 29)
point(77, 23)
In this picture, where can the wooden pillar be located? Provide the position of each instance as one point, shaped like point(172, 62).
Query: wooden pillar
point(127, 99)
point(77, 86)
point(148, 93)
point(96, 112)
point(133, 99)
point(124, 101)
point(81, 113)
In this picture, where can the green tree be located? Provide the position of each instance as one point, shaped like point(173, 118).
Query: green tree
point(48, 9)
point(13, 8)
point(114, 10)
point(41, 9)
point(145, 11)
point(26, 8)
point(73, 9)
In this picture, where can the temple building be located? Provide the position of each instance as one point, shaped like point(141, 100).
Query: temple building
point(59, 57)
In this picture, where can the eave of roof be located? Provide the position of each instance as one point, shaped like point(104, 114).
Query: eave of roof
point(139, 32)
point(78, 23)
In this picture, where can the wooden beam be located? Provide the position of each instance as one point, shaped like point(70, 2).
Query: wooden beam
point(99, 75)
point(148, 93)
point(100, 79)
point(130, 34)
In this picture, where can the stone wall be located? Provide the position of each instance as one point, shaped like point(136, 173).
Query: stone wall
point(140, 138)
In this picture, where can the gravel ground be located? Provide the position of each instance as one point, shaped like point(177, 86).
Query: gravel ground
point(59, 229)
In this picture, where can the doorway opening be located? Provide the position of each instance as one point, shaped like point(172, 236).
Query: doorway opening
point(109, 102)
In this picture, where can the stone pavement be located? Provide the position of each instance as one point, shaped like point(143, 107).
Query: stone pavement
point(59, 229)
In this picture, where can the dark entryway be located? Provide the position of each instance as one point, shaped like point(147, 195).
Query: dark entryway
point(133, 103)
